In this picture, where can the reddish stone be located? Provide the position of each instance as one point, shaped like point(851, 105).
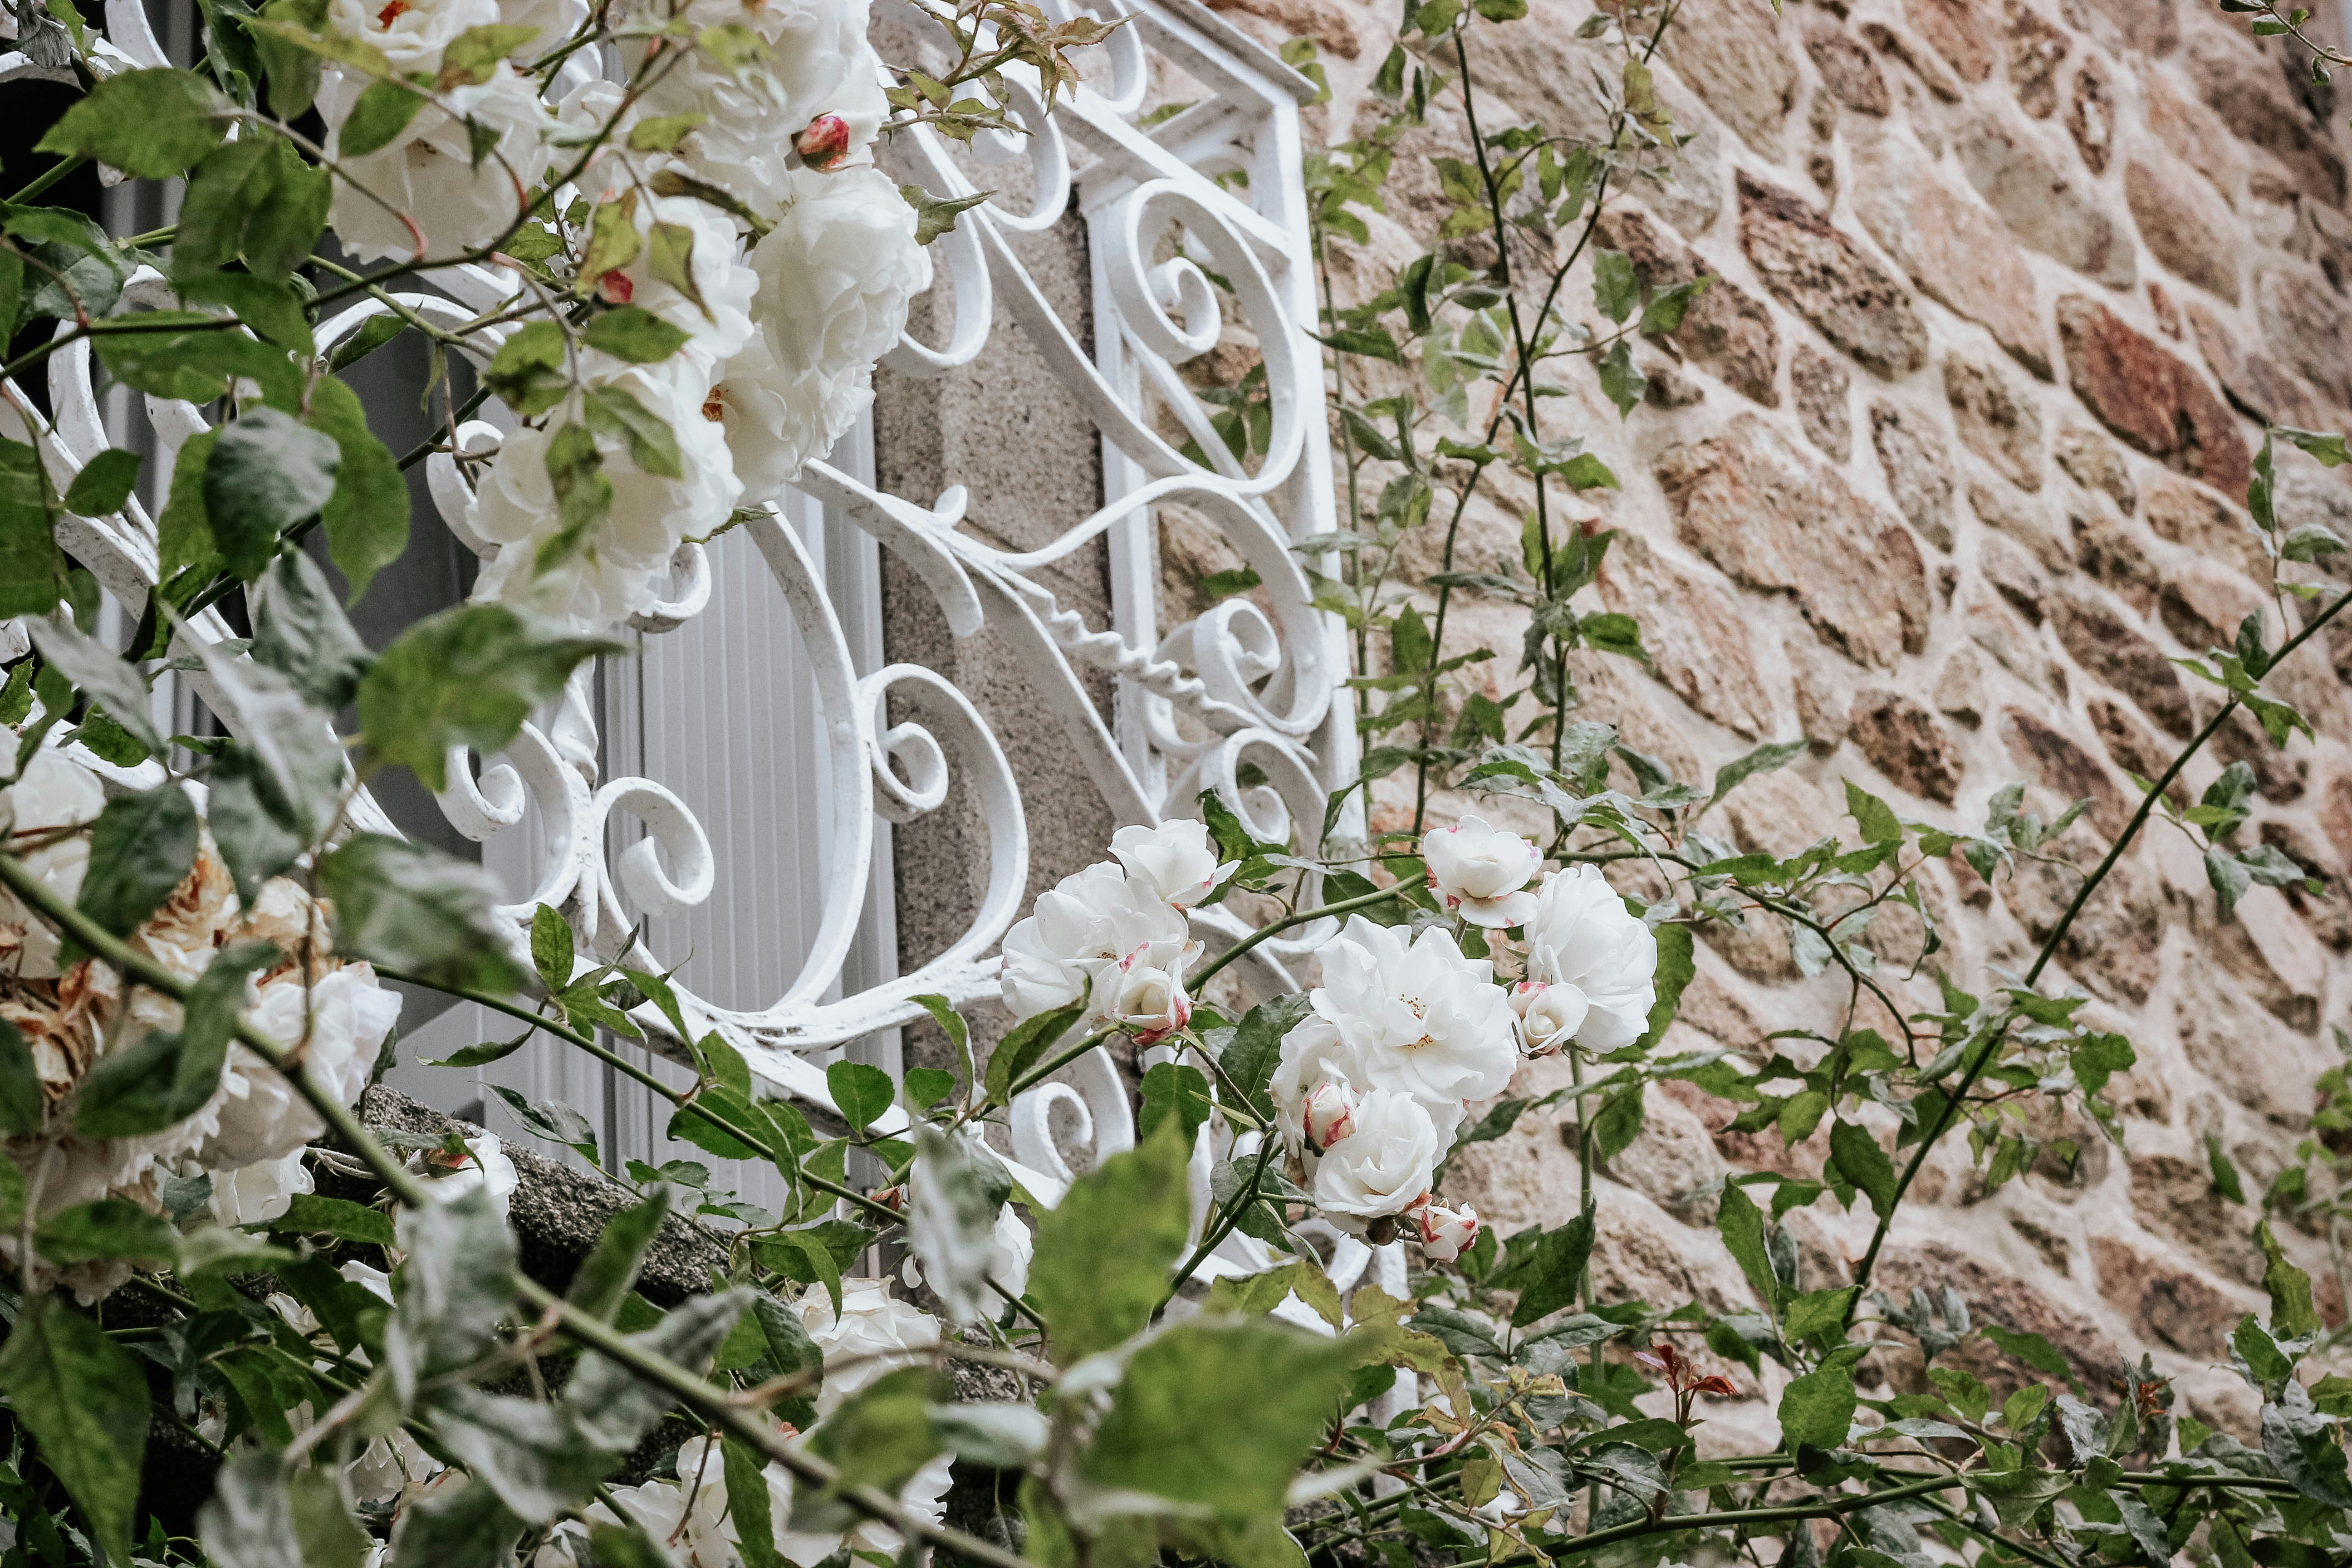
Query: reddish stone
point(1960, 32)
point(2150, 398)
point(1777, 519)
point(1825, 278)
point(2091, 116)
point(2165, 1306)
point(1908, 744)
point(2036, 49)
point(1848, 69)
point(2111, 651)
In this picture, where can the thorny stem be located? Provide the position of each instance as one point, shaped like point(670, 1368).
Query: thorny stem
point(1958, 1094)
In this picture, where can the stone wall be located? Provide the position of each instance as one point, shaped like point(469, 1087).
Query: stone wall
point(1948, 460)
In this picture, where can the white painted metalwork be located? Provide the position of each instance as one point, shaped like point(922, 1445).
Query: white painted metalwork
point(1246, 690)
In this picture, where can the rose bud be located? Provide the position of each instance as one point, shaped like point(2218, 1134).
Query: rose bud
point(1329, 1114)
point(824, 143)
point(1445, 1234)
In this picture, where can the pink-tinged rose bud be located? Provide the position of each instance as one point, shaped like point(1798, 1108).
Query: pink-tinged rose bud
point(615, 288)
point(1444, 1233)
point(1150, 1001)
point(825, 142)
point(1329, 1114)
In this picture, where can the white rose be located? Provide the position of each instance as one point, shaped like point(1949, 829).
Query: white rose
point(410, 34)
point(613, 573)
point(1386, 1165)
point(1582, 937)
point(261, 1118)
point(877, 1333)
point(836, 274)
point(1445, 1232)
point(820, 63)
point(1480, 872)
point(1419, 1016)
point(487, 1166)
point(388, 1466)
point(1178, 857)
point(261, 1191)
point(555, 19)
point(1549, 1015)
point(428, 172)
point(777, 421)
point(54, 793)
point(1093, 927)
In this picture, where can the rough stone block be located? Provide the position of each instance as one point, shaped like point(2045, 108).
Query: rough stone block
point(1956, 252)
point(2050, 212)
point(1825, 278)
point(1778, 520)
point(2150, 397)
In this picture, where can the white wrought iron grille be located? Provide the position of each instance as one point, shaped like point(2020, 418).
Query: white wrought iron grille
point(1194, 219)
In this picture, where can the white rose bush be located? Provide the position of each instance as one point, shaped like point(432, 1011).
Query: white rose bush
point(242, 1323)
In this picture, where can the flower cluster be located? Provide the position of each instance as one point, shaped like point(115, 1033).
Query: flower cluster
point(728, 191)
point(246, 1139)
point(1373, 1084)
point(1406, 1030)
point(1117, 935)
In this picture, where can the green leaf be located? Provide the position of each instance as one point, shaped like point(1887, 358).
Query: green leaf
point(270, 306)
point(959, 1034)
point(1677, 967)
point(109, 1228)
point(1103, 1254)
point(1025, 1046)
point(925, 1086)
point(1251, 1056)
point(2292, 1313)
point(144, 845)
point(1556, 1269)
point(150, 123)
point(1172, 1089)
point(2033, 1351)
point(1217, 1415)
point(382, 112)
point(102, 677)
point(1817, 1313)
point(414, 907)
point(1865, 1165)
point(32, 568)
point(454, 1287)
point(669, 257)
point(187, 355)
point(83, 1398)
point(771, 1342)
point(633, 333)
point(1621, 382)
point(1818, 1407)
point(474, 54)
point(746, 1472)
point(936, 216)
point(883, 1435)
point(1615, 289)
point(1741, 1224)
point(300, 632)
point(859, 1093)
point(311, 1214)
point(1963, 1391)
point(2225, 1175)
point(366, 516)
point(615, 413)
point(21, 1102)
point(255, 199)
point(266, 474)
point(467, 677)
point(104, 483)
point(1764, 759)
point(261, 1515)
